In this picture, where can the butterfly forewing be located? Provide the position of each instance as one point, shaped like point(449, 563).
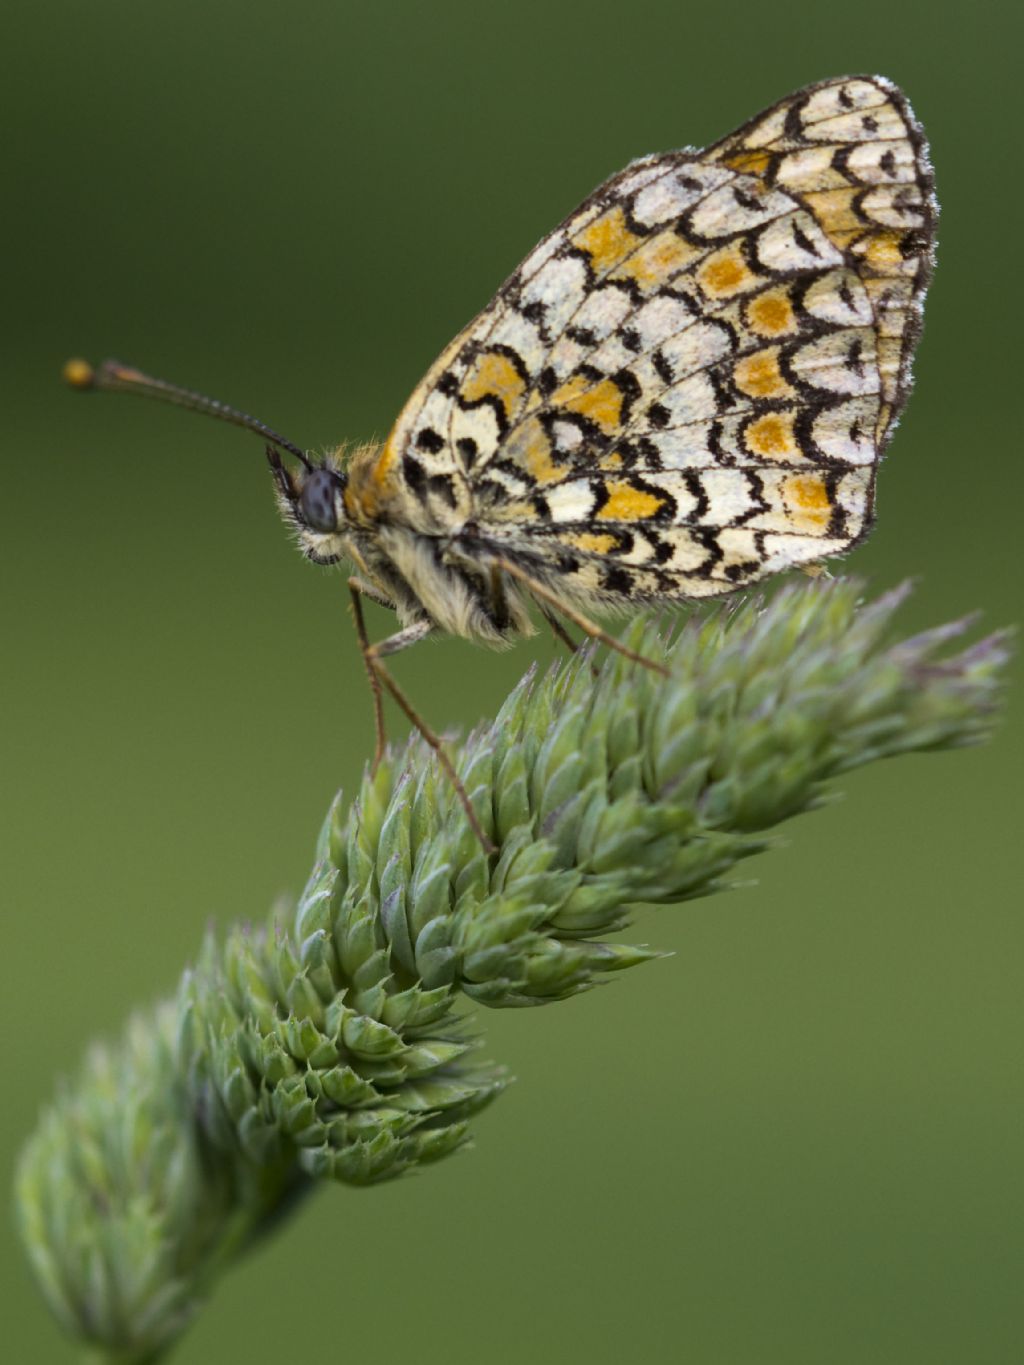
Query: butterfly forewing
point(688, 385)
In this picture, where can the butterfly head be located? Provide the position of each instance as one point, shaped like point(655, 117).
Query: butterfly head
point(312, 500)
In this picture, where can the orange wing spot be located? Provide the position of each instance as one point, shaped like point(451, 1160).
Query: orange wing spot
point(883, 250)
point(771, 437)
point(890, 353)
point(844, 240)
point(659, 259)
point(601, 402)
point(598, 543)
point(759, 376)
point(626, 503)
point(807, 502)
point(749, 163)
point(771, 314)
point(493, 375)
point(607, 239)
point(725, 273)
point(882, 424)
point(834, 209)
point(529, 447)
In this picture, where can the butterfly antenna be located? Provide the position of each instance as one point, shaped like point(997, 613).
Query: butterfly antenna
point(117, 378)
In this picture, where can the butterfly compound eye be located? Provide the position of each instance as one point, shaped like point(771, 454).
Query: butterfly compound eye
point(316, 501)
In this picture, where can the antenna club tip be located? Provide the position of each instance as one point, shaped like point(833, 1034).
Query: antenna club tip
point(79, 374)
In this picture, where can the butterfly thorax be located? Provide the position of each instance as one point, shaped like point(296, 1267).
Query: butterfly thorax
point(389, 485)
point(415, 548)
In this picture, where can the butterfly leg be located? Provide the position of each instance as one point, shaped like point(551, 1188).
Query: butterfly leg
point(371, 653)
point(360, 589)
point(557, 629)
point(544, 595)
point(499, 602)
point(562, 635)
point(381, 681)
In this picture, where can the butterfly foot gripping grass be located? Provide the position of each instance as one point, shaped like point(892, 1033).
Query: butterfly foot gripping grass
point(683, 389)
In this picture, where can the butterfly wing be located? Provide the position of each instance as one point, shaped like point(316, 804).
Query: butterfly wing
point(853, 153)
point(688, 385)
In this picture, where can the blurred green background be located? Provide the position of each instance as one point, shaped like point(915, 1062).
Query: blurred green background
point(798, 1139)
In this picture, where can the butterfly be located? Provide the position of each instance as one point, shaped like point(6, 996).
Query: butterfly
point(683, 389)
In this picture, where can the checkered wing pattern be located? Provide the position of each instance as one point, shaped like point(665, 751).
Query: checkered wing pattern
point(689, 384)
